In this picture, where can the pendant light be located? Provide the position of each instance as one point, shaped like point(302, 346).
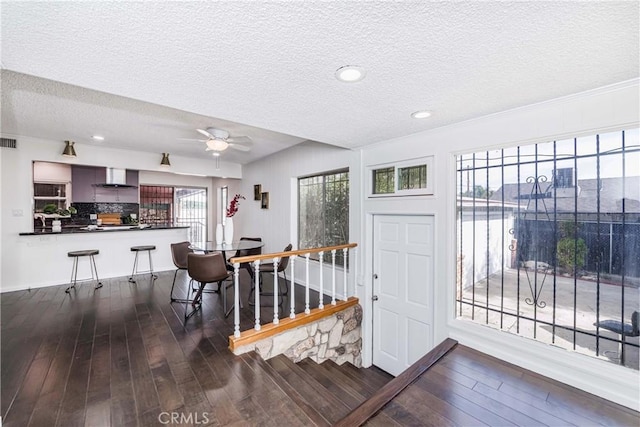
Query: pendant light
point(69, 151)
point(165, 161)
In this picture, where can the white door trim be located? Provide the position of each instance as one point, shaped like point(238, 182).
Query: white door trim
point(366, 289)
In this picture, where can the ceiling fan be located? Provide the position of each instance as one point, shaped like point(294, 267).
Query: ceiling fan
point(219, 140)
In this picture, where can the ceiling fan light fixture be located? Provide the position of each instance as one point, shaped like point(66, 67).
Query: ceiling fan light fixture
point(69, 151)
point(350, 73)
point(421, 114)
point(217, 145)
point(165, 163)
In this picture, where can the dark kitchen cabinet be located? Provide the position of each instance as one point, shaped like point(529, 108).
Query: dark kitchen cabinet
point(88, 186)
point(83, 183)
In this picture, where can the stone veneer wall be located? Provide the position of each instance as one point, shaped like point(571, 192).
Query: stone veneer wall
point(337, 338)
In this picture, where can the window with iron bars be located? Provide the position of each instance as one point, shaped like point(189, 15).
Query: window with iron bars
point(548, 237)
point(179, 206)
point(323, 214)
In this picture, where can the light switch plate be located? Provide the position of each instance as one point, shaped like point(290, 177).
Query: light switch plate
point(17, 212)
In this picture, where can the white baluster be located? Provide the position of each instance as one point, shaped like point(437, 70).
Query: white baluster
point(333, 277)
point(276, 320)
point(306, 291)
point(256, 291)
point(236, 299)
point(321, 295)
point(344, 272)
point(354, 261)
point(292, 297)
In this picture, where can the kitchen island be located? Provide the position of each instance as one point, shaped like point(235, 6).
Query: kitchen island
point(97, 229)
point(40, 257)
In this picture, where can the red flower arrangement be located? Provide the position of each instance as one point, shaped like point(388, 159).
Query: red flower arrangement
point(233, 206)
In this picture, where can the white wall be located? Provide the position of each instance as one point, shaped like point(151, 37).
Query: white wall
point(17, 187)
point(605, 109)
point(496, 248)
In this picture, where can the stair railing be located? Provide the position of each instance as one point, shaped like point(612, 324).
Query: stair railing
point(276, 258)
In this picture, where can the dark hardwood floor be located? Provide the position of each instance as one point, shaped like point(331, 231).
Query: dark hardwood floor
point(469, 388)
point(122, 356)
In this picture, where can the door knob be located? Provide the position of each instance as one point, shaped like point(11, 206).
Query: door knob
point(374, 298)
point(375, 276)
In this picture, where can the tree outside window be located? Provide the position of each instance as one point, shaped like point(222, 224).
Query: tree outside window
point(323, 215)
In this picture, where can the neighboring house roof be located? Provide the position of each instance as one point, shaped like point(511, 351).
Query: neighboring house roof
point(612, 192)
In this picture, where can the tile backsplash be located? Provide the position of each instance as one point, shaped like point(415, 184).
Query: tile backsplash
point(84, 209)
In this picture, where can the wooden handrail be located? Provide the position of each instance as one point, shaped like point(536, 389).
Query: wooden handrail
point(251, 336)
point(243, 259)
point(369, 407)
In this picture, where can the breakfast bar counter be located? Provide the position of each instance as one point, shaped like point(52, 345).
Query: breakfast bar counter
point(98, 229)
point(39, 258)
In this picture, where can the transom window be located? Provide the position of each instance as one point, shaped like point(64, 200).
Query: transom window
point(412, 177)
point(402, 178)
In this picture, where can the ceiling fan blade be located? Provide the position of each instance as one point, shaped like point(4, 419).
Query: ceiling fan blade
point(239, 139)
point(239, 147)
point(192, 139)
point(205, 133)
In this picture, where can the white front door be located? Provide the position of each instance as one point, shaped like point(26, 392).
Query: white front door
point(402, 289)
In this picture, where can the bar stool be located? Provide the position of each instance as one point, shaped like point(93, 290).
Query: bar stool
point(137, 250)
point(92, 265)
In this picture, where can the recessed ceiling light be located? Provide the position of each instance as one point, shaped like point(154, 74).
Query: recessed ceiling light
point(422, 114)
point(350, 73)
point(98, 137)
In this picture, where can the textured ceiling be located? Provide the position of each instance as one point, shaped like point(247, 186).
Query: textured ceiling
point(271, 65)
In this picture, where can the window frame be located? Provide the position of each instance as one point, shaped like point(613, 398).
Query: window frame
point(575, 157)
point(299, 210)
point(426, 191)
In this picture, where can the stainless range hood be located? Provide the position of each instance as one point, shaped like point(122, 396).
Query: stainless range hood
point(116, 177)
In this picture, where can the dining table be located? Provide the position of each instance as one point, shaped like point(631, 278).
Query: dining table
point(211, 246)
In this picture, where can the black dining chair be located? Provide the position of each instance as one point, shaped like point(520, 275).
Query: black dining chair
point(268, 268)
point(248, 252)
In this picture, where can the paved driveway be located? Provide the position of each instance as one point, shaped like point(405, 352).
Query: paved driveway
point(556, 301)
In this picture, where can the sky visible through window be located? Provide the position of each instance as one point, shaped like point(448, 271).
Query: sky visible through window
point(611, 160)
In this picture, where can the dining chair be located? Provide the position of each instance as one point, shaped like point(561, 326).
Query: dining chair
point(204, 269)
point(269, 268)
point(179, 252)
point(248, 252)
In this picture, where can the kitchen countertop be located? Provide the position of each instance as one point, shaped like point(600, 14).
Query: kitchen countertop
point(103, 229)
